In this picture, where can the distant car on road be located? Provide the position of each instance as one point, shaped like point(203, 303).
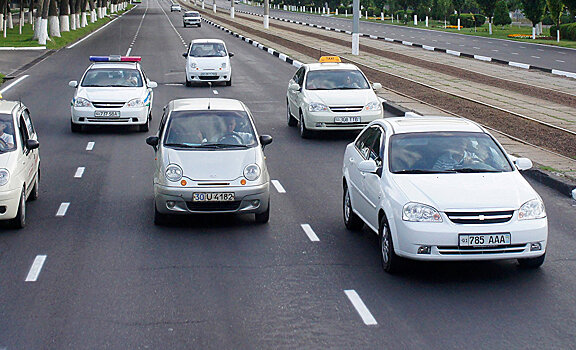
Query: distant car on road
point(19, 162)
point(208, 60)
point(209, 159)
point(192, 18)
point(175, 7)
point(441, 188)
point(331, 95)
point(113, 91)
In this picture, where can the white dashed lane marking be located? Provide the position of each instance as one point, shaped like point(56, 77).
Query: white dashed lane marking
point(63, 209)
point(90, 146)
point(215, 92)
point(278, 186)
point(310, 233)
point(36, 268)
point(79, 172)
point(360, 307)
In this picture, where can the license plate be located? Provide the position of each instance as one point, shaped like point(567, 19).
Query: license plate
point(205, 74)
point(346, 119)
point(484, 240)
point(213, 197)
point(107, 113)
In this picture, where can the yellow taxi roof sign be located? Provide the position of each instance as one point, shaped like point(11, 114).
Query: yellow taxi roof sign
point(330, 59)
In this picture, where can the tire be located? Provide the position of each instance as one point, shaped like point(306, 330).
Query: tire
point(145, 127)
point(188, 82)
point(351, 220)
point(264, 217)
point(291, 120)
point(532, 263)
point(159, 218)
point(199, 25)
point(20, 220)
point(184, 25)
point(390, 261)
point(304, 132)
point(229, 82)
point(36, 189)
point(75, 127)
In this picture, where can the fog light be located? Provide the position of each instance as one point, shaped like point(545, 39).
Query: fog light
point(424, 249)
point(2, 209)
point(183, 182)
point(535, 246)
point(170, 204)
point(255, 202)
point(243, 182)
point(81, 119)
point(320, 125)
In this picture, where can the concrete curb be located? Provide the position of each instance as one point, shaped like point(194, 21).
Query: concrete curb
point(25, 48)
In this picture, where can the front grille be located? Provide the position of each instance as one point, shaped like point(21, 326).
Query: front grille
point(108, 104)
point(214, 183)
point(346, 109)
point(213, 77)
point(485, 217)
point(109, 120)
point(345, 125)
point(213, 206)
point(455, 250)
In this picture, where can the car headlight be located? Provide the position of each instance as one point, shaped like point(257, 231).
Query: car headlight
point(82, 102)
point(533, 209)
point(317, 107)
point(252, 172)
point(4, 177)
point(137, 102)
point(373, 106)
point(173, 172)
point(192, 65)
point(223, 64)
point(420, 213)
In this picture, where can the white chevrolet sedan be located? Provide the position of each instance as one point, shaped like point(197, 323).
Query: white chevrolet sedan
point(209, 159)
point(441, 188)
point(208, 60)
point(113, 91)
point(19, 162)
point(331, 96)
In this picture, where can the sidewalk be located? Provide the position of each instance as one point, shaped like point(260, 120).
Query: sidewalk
point(13, 61)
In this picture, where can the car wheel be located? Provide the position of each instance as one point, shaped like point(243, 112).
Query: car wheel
point(229, 82)
point(36, 189)
point(184, 25)
point(188, 82)
point(264, 217)
point(351, 220)
point(159, 218)
point(304, 132)
point(75, 127)
point(390, 261)
point(291, 120)
point(532, 263)
point(144, 127)
point(20, 220)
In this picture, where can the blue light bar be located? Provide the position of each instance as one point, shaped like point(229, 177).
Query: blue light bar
point(115, 58)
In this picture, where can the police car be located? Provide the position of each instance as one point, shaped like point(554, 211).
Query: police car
point(113, 91)
point(331, 95)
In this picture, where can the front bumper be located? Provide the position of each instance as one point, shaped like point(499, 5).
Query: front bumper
point(178, 200)
point(327, 120)
point(9, 202)
point(442, 240)
point(128, 116)
point(198, 75)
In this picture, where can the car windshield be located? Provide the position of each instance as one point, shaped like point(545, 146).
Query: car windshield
point(210, 129)
point(208, 50)
point(336, 80)
point(112, 77)
point(191, 14)
point(7, 142)
point(445, 152)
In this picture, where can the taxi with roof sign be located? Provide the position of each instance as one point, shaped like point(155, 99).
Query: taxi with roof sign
point(331, 95)
point(113, 91)
point(19, 162)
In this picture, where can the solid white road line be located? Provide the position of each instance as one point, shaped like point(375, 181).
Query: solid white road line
point(79, 172)
point(128, 52)
point(278, 186)
point(360, 307)
point(13, 84)
point(90, 146)
point(62, 209)
point(36, 268)
point(310, 232)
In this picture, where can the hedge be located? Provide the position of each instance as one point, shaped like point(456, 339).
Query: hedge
point(547, 20)
point(567, 31)
point(468, 20)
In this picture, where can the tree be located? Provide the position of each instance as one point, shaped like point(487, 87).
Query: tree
point(556, 7)
point(571, 6)
point(534, 10)
point(458, 5)
point(487, 7)
point(501, 14)
point(53, 21)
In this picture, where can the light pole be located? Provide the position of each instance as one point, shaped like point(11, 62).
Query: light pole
point(214, 6)
point(231, 8)
point(356, 27)
point(266, 14)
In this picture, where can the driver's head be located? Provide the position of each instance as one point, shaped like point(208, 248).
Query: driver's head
point(3, 126)
point(230, 125)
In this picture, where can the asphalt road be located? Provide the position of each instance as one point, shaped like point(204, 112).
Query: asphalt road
point(543, 56)
point(113, 280)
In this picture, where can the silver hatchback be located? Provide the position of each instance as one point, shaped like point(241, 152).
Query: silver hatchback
point(209, 159)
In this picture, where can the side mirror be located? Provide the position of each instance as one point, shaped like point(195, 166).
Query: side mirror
point(185, 54)
point(230, 54)
point(265, 140)
point(294, 87)
point(523, 163)
point(152, 84)
point(376, 86)
point(32, 144)
point(368, 166)
point(73, 83)
point(152, 141)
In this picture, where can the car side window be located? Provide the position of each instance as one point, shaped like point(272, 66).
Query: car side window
point(298, 76)
point(365, 141)
point(23, 134)
point(29, 124)
point(163, 122)
point(375, 151)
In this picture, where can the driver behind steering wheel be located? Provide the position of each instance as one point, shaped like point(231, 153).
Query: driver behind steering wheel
point(6, 138)
point(235, 137)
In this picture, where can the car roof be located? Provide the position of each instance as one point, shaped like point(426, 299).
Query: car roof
point(6, 107)
point(403, 125)
point(202, 104)
point(133, 65)
point(331, 66)
point(207, 41)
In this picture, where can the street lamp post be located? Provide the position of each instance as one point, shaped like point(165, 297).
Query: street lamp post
point(231, 8)
point(266, 14)
point(356, 27)
point(214, 6)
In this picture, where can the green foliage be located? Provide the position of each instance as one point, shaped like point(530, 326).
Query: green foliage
point(567, 31)
point(458, 5)
point(571, 6)
point(441, 9)
point(405, 16)
point(501, 14)
point(534, 10)
point(555, 7)
point(564, 19)
point(468, 20)
point(487, 7)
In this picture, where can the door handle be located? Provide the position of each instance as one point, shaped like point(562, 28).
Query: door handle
point(352, 160)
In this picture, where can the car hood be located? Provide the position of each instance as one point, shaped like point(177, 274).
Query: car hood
point(120, 94)
point(8, 159)
point(209, 62)
point(211, 165)
point(342, 97)
point(445, 192)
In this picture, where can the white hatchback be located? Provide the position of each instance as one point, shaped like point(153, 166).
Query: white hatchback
point(19, 162)
point(442, 188)
point(209, 159)
point(208, 60)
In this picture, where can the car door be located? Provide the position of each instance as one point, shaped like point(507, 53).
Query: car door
point(159, 156)
point(372, 182)
point(298, 78)
point(356, 186)
point(28, 158)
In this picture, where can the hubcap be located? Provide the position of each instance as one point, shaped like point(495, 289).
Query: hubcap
point(347, 206)
point(23, 208)
point(385, 247)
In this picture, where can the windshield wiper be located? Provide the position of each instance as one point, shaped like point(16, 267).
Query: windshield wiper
point(422, 171)
point(475, 170)
point(182, 145)
point(223, 145)
point(93, 85)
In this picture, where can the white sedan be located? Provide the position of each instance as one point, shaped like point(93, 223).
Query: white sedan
point(113, 91)
point(331, 95)
point(19, 162)
point(208, 60)
point(441, 188)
